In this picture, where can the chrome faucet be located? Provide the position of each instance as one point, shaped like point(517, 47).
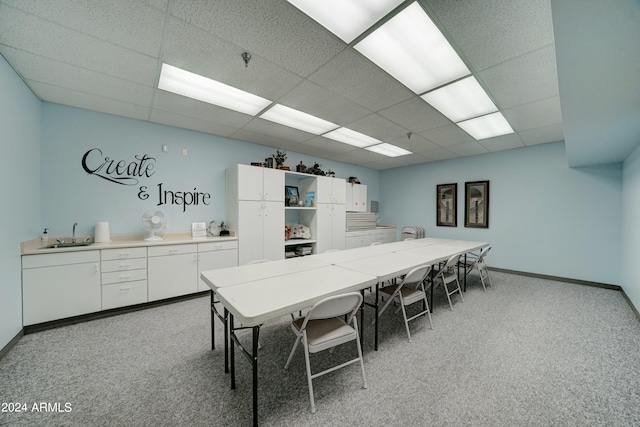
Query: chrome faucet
point(73, 235)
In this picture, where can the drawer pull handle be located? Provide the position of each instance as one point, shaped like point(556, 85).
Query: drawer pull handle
point(124, 254)
point(125, 265)
point(173, 251)
point(125, 288)
point(125, 277)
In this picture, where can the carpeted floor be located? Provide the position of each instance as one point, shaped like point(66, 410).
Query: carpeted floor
point(528, 352)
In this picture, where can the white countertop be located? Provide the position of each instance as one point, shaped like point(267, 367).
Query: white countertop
point(35, 246)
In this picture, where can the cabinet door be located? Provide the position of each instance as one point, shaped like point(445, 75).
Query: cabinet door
point(213, 260)
point(360, 197)
point(172, 275)
point(51, 293)
point(339, 191)
point(338, 226)
point(324, 234)
point(273, 185)
point(250, 231)
point(250, 182)
point(273, 231)
point(324, 189)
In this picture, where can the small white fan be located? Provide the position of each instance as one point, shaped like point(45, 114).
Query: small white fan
point(154, 220)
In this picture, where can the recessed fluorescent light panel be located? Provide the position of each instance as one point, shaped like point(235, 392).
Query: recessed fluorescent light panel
point(388, 150)
point(185, 83)
point(346, 19)
point(297, 119)
point(413, 50)
point(351, 137)
point(487, 126)
point(461, 100)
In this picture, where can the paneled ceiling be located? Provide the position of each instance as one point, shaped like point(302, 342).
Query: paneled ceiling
point(106, 56)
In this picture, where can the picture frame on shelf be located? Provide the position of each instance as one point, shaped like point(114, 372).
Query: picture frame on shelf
point(291, 195)
point(310, 199)
point(476, 204)
point(446, 205)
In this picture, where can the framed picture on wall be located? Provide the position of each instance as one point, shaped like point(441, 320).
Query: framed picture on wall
point(446, 196)
point(476, 204)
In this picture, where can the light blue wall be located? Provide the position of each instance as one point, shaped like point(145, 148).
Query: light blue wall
point(630, 227)
point(543, 216)
point(19, 190)
point(69, 194)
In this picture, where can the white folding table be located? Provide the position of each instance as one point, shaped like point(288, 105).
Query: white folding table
point(256, 302)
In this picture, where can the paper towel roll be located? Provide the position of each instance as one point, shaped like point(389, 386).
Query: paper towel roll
point(102, 234)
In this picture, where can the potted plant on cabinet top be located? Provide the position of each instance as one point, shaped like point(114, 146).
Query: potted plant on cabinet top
point(280, 157)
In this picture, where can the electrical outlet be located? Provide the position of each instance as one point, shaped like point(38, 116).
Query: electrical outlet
point(165, 148)
point(184, 151)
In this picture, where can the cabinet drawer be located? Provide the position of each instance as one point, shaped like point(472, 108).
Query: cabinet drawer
point(172, 250)
point(63, 258)
point(120, 295)
point(217, 246)
point(124, 276)
point(123, 253)
point(124, 264)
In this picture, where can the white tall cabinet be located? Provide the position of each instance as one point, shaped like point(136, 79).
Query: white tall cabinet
point(255, 211)
point(331, 213)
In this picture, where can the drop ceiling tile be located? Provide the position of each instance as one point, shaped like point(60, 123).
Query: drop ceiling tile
point(274, 28)
point(262, 139)
point(415, 114)
point(389, 163)
point(89, 102)
point(438, 154)
point(468, 149)
point(416, 159)
point(360, 155)
point(65, 76)
point(535, 114)
point(187, 122)
point(181, 105)
point(43, 38)
point(320, 102)
point(447, 136)
point(201, 52)
point(328, 145)
point(378, 127)
point(158, 4)
point(275, 130)
point(490, 32)
point(530, 77)
point(504, 142)
point(127, 23)
point(355, 77)
point(543, 135)
point(415, 144)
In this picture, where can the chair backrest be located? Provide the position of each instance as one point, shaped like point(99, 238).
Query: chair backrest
point(334, 306)
point(483, 253)
point(257, 261)
point(451, 262)
point(417, 275)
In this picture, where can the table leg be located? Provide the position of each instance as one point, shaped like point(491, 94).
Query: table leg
point(362, 322)
point(232, 355)
point(375, 344)
point(256, 334)
point(213, 329)
point(227, 339)
point(465, 272)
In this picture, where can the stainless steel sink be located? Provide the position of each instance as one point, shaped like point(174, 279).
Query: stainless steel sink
point(66, 245)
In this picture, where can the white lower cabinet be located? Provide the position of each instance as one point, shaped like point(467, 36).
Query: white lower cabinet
point(260, 230)
point(55, 286)
point(124, 277)
point(358, 239)
point(215, 255)
point(330, 227)
point(173, 271)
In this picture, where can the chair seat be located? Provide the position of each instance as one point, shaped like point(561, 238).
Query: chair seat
point(409, 295)
point(325, 333)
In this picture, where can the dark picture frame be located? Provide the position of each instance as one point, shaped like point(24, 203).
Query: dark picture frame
point(446, 205)
point(476, 204)
point(291, 195)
